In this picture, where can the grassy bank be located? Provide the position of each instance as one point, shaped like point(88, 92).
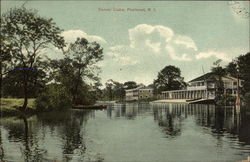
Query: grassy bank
point(9, 106)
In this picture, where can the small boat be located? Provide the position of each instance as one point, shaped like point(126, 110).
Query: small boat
point(89, 107)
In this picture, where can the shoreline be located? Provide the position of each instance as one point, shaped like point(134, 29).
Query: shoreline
point(170, 101)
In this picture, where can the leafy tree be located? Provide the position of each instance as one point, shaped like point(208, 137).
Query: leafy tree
point(12, 83)
point(6, 48)
point(114, 90)
point(29, 34)
point(80, 64)
point(119, 91)
point(130, 85)
point(244, 70)
point(54, 96)
point(219, 72)
point(109, 90)
point(169, 78)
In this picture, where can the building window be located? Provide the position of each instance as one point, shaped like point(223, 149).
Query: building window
point(235, 83)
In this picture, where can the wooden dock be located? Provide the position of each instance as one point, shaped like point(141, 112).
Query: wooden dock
point(201, 101)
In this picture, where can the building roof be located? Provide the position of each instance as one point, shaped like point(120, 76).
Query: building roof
point(142, 87)
point(203, 77)
point(209, 76)
point(147, 87)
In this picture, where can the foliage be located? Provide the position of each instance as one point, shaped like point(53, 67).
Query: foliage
point(169, 78)
point(219, 72)
point(244, 70)
point(114, 90)
point(130, 85)
point(226, 100)
point(247, 98)
point(78, 66)
point(84, 56)
point(13, 81)
point(54, 97)
point(28, 34)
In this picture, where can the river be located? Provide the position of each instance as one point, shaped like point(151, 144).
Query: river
point(129, 132)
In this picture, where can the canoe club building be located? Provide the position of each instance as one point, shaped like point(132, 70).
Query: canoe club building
point(203, 87)
point(139, 93)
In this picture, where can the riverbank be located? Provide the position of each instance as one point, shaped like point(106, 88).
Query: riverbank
point(170, 101)
point(9, 106)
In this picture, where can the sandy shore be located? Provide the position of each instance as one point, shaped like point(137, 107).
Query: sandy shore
point(170, 101)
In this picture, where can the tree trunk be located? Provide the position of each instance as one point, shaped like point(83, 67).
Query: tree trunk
point(25, 88)
point(76, 87)
point(1, 80)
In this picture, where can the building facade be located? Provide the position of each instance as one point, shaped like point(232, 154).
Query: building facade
point(204, 87)
point(139, 93)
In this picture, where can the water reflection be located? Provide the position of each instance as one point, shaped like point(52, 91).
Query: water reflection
point(30, 134)
point(127, 110)
point(64, 136)
point(229, 119)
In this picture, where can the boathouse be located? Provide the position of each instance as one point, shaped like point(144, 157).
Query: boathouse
point(139, 93)
point(204, 87)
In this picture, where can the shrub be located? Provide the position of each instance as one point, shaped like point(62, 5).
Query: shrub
point(246, 98)
point(54, 97)
point(225, 100)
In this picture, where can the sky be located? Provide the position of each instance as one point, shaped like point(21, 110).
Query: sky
point(140, 38)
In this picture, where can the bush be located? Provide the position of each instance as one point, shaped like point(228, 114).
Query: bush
point(246, 98)
point(225, 100)
point(54, 97)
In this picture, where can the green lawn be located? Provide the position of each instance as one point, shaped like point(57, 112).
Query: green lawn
point(9, 105)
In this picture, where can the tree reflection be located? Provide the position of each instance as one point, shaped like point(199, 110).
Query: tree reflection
point(1, 147)
point(71, 128)
point(68, 126)
point(169, 119)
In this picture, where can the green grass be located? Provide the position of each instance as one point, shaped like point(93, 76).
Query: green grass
point(8, 106)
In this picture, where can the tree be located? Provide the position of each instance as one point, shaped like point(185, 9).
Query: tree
point(6, 48)
point(29, 33)
point(169, 78)
point(114, 90)
point(130, 85)
point(219, 72)
point(82, 57)
point(37, 79)
point(244, 70)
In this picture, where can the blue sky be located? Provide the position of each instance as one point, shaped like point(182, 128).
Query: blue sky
point(138, 44)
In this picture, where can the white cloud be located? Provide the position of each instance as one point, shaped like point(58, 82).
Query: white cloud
point(154, 46)
point(173, 55)
point(118, 55)
point(185, 41)
point(161, 41)
point(71, 35)
point(139, 34)
point(219, 55)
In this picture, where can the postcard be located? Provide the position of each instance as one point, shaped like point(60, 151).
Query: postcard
point(125, 81)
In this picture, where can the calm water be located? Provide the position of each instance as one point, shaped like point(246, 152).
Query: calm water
point(129, 132)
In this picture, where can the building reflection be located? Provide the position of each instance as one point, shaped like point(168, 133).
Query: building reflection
point(127, 110)
point(171, 117)
point(220, 119)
